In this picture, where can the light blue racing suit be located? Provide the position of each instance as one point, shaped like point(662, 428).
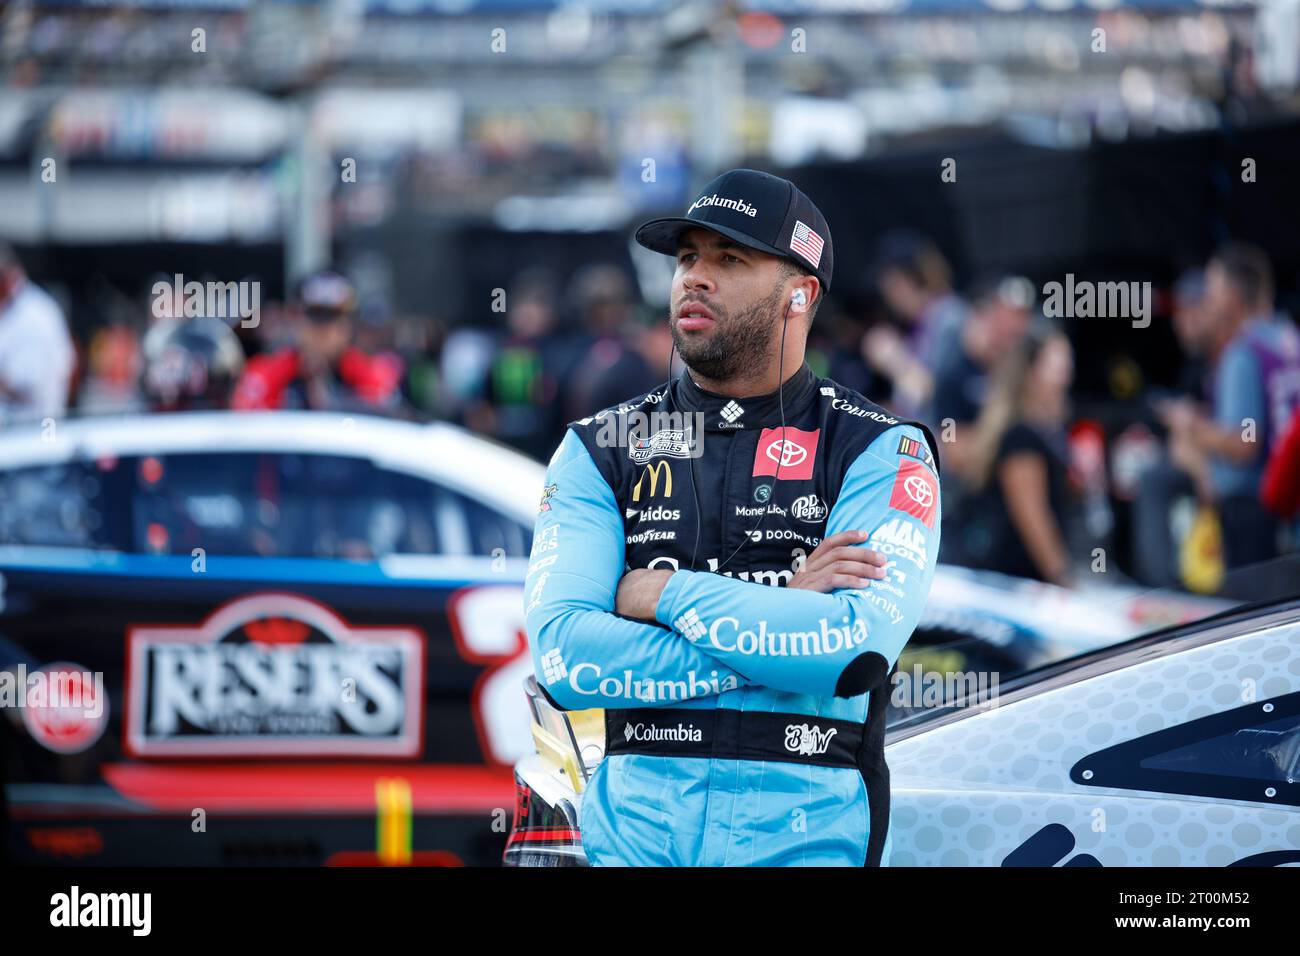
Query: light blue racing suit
point(743, 685)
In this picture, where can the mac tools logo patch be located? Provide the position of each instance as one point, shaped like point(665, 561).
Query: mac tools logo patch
point(274, 673)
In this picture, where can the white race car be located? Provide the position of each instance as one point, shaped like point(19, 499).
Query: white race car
point(1177, 749)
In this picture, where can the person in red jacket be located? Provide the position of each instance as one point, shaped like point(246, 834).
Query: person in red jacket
point(1280, 488)
point(324, 369)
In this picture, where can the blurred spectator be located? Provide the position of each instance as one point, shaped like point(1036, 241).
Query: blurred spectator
point(191, 364)
point(1156, 557)
point(616, 369)
point(1256, 387)
point(36, 353)
point(114, 365)
point(1018, 467)
point(420, 342)
point(323, 369)
point(519, 401)
point(998, 320)
point(1280, 487)
point(1193, 328)
point(607, 340)
point(915, 281)
point(839, 340)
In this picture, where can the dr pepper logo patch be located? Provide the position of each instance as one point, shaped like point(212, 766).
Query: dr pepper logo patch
point(796, 453)
point(915, 492)
point(274, 673)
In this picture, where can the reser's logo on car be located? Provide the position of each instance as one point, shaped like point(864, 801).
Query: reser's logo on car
point(650, 732)
point(274, 673)
point(808, 508)
point(738, 205)
point(808, 739)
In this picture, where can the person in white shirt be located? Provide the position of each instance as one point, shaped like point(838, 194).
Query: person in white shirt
point(36, 352)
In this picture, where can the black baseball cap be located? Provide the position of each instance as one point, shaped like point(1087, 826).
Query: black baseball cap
point(757, 210)
point(326, 296)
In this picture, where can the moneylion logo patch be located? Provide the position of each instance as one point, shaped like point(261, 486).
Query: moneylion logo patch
point(273, 674)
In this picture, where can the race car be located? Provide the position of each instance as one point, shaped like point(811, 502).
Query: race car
point(261, 638)
point(1181, 748)
point(1176, 747)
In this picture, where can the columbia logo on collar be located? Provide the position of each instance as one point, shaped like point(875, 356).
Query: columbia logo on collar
point(739, 205)
point(731, 411)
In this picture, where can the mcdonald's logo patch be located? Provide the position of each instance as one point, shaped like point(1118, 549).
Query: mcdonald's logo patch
point(656, 470)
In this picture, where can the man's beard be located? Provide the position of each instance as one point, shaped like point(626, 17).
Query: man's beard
point(736, 344)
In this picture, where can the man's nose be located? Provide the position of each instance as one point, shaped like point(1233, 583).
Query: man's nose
point(698, 277)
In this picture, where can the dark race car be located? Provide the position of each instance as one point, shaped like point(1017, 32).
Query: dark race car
point(263, 638)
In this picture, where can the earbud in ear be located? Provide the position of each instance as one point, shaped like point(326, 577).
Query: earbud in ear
point(798, 298)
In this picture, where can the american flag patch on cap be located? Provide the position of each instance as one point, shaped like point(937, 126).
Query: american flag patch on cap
point(807, 243)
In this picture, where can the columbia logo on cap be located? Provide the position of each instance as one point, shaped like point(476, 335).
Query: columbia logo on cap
point(739, 205)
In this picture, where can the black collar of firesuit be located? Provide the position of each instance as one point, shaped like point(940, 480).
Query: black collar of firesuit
point(720, 411)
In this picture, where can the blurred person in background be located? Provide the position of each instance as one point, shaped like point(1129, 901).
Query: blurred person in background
point(519, 400)
point(1256, 387)
point(37, 357)
point(997, 323)
point(607, 339)
point(836, 352)
point(114, 365)
point(915, 282)
point(1156, 557)
point(636, 362)
point(1015, 523)
point(420, 342)
point(323, 369)
point(1279, 489)
point(190, 364)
